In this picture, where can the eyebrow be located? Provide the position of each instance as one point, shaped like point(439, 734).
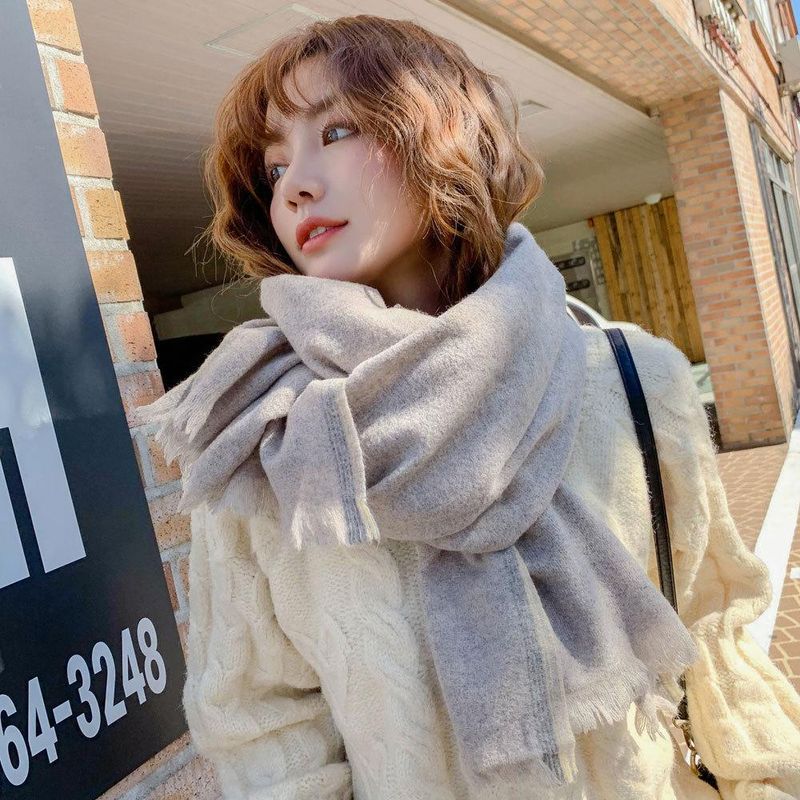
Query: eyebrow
point(275, 134)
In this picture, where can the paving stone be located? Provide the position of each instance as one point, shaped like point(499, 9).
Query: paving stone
point(749, 477)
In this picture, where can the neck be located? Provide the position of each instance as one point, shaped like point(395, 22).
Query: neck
point(413, 282)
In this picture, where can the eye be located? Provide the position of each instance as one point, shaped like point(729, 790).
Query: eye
point(271, 179)
point(337, 125)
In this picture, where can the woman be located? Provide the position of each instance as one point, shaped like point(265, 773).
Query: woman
point(421, 532)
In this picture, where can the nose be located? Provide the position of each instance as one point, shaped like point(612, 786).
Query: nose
point(300, 185)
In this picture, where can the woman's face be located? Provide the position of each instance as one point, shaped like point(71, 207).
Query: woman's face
point(323, 167)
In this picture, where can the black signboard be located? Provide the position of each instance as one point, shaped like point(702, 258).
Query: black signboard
point(570, 263)
point(576, 286)
point(91, 668)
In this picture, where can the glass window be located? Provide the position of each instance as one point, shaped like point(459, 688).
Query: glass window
point(781, 199)
point(760, 9)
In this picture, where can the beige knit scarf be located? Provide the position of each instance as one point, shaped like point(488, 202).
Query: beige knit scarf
point(366, 423)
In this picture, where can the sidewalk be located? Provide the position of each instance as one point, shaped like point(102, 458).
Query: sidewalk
point(750, 477)
point(785, 649)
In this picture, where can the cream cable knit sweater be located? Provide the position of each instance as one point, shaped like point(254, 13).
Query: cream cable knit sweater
point(309, 676)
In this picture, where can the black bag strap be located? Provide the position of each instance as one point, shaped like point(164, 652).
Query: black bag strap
point(658, 512)
point(647, 444)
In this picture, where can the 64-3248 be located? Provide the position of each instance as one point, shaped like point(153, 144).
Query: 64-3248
point(17, 749)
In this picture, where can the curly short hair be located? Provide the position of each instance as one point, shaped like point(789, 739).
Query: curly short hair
point(405, 87)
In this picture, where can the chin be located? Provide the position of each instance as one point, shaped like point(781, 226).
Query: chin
point(334, 273)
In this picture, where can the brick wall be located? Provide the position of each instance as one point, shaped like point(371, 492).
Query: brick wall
point(177, 772)
point(645, 53)
point(727, 249)
point(766, 280)
point(625, 46)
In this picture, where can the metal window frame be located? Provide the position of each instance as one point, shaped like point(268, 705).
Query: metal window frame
point(770, 169)
point(756, 9)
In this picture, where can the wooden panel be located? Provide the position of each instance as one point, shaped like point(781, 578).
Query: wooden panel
point(628, 254)
point(607, 247)
point(668, 295)
point(652, 301)
point(678, 260)
point(647, 275)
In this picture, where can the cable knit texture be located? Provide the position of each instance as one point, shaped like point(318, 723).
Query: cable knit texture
point(309, 674)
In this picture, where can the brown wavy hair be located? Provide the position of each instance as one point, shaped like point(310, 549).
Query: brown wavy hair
point(405, 87)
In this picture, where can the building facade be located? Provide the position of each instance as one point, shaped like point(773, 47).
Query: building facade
point(720, 79)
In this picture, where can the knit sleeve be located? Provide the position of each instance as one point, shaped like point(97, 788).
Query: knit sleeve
point(745, 714)
point(253, 704)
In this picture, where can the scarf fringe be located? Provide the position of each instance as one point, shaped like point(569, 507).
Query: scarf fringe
point(315, 529)
point(568, 764)
point(237, 498)
point(652, 687)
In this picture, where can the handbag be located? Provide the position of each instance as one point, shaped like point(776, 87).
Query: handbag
point(658, 511)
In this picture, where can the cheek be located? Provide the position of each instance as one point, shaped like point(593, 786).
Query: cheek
point(275, 211)
point(278, 220)
point(382, 186)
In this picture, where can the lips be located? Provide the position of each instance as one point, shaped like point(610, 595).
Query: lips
point(308, 225)
point(314, 243)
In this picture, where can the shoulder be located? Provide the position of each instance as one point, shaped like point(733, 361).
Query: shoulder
point(607, 460)
point(680, 423)
point(664, 371)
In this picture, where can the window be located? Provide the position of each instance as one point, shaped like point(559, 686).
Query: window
point(784, 232)
point(786, 210)
point(759, 9)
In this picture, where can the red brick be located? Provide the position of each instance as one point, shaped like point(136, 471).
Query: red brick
point(170, 527)
point(114, 275)
point(76, 87)
point(161, 760)
point(139, 389)
point(183, 572)
point(54, 23)
point(106, 218)
point(137, 336)
point(83, 148)
point(140, 466)
point(173, 595)
point(76, 207)
point(183, 634)
point(721, 217)
point(162, 472)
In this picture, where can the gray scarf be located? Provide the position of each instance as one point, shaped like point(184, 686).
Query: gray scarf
point(363, 423)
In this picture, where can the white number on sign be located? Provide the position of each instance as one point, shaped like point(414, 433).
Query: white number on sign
point(42, 736)
point(12, 738)
point(102, 652)
point(89, 726)
point(132, 677)
point(145, 628)
point(38, 717)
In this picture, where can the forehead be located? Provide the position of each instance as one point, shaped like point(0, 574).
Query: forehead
point(310, 89)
